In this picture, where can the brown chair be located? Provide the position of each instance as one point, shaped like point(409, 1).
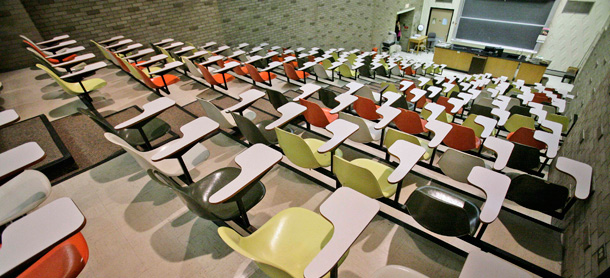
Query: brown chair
point(462, 138)
point(410, 122)
point(217, 79)
point(525, 136)
point(366, 108)
point(264, 78)
point(293, 74)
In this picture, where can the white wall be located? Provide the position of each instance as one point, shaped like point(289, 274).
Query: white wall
point(570, 36)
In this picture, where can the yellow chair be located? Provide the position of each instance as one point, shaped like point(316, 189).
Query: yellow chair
point(303, 152)
point(345, 71)
point(469, 122)
point(393, 135)
point(327, 64)
point(391, 87)
point(443, 117)
point(365, 176)
point(563, 120)
point(517, 121)
point(76, 88)
point(286, 244)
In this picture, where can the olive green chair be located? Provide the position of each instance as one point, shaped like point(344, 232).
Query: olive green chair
point(286, 244)
point(75, 88)
point(393, 135)
point(469, 122)
point(304, 152)
point(517, 121)
point(457, 165)
point(443, 117)
point(391, 87)
point(326, 64)
point(365, 176)
point(345, 71)
point(563, 120)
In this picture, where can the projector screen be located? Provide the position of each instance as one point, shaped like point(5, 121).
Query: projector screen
point(507, 23)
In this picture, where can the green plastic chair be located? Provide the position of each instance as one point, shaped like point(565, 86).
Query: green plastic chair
point(326, 64)
point(352, 58)
point(345, 71)
point(443, 117)
point(303, 152)
point(391, 87)
point(365, 176)
point(104, 52)
point(75, 88)
point(563, 120)
point(469, 122)
point(335, 56)
point(517, 121)
point(393, 135)
point(286, 244)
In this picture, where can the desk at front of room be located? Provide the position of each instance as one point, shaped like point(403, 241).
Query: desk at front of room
point(460, 58)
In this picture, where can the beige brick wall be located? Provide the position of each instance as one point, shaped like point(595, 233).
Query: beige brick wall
point(592, 104)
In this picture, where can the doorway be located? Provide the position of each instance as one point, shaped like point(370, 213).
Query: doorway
point(439, 22)
point(405, 20)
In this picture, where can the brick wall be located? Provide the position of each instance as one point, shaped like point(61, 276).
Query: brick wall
point(344, 23)
point(15, 21)
point(589, 218)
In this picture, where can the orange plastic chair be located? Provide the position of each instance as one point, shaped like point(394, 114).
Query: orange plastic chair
point(420, 103)
point(375, 49)
point(410, 122)
point(366, 108)
point(462, 138)
point(317, 115)
point(65, 260)
point(444, 101)
point(52, 60)
point(540, 98)
point(158, 82)
point(257, 77)
point(525, 136)
point(239, 70)
point(295, 74)
point(217, 79)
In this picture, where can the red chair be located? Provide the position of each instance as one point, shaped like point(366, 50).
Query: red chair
point(217, 79)
point(420, 103)
point(257, 77)
point(366, 108)
point(410, 122)
point(158, 82)
point(52, 60)
point(540, 98)
point(462, 138)
point(65, 260)
point(525, 136)
point(444, 101)
point(317, 115)
point(293, 74)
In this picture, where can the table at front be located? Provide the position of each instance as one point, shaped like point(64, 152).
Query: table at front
point(408, 154)
point(341, 130)
point(417, 41)
point(350, 213)
point(8, 116)
point(247, 98)
point(151, 110)
point(38, 232)
point(254, 163)
point(19, 158)
point(193, 132)
point(289, 111)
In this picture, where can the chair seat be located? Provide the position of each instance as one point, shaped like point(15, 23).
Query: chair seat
point(169, 80)
point(66, 260)
point(57, 61)
point(219, 77)
point(206, 187)
point(90, 84)
point(322, 159)
point(22, 194)
point(381, 173)
point(330, 117)
point(265, 76)
point(302, 74)
point(153, 130)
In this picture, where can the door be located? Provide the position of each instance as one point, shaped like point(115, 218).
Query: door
point(439, 23)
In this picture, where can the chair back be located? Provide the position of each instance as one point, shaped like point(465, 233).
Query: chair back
point(391, 87)
point(320, 71)
point(215, 114)
point(207, 75)
point(444, 101)
point(191, 67)
point(476, 109)
point(344, 70)
point(457, 165)
point(526, 190)
point(104, 52)
point(249, 130)
point(363, 134)
point(366, 108)
point(328, 98)
point(296, 149)
point(520, 110)
point(122, 63)
point(45, 62)
point(138, 156)
point(524, 158)
point(143, 76)
point(443, 212)
point(563, 120)
point(35, 47)
point(326, 64)
point(410, 122)
point(365, 70)
point(516, 121)
point(254, 73)
point(314, 114)
point(525, 136)
point(356, 177)
point(276, 98)
point(461, 138)
point(290, 72)
point(63, 84)
point(469, 122)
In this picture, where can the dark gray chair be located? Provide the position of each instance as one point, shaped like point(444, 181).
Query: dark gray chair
point(431, 41)
point(365, 70)
point(255, 133)
point(443, 212)
point(527, 191)
point(524, 158)
point(481, 110)
point(196, 195)
point(153, 130)
point(521, 110)
point(328, 98)
point(278, 99)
